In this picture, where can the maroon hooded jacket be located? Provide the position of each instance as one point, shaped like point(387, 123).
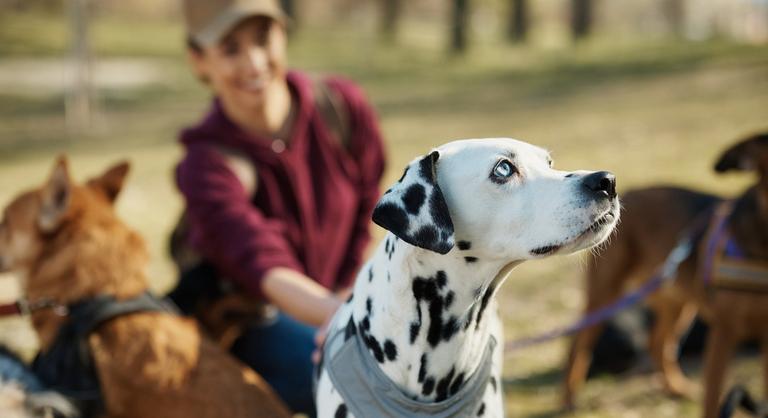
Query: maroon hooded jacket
point(312, 207)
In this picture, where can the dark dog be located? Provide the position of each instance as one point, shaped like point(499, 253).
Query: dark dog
point(653, 222)
point(738, 398)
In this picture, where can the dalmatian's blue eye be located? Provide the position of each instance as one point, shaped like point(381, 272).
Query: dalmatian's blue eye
point(504, 169)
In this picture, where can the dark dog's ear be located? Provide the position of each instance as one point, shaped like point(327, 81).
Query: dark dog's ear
point(56, 196)
point(111, 182)
point(414, 209)
point(749, 154)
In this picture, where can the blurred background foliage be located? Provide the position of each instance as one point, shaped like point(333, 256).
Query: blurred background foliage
point(650, 89)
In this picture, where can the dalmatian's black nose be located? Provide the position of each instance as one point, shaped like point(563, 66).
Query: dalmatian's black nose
point(601, 182)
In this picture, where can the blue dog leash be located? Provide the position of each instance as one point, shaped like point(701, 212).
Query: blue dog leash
point(666, 274)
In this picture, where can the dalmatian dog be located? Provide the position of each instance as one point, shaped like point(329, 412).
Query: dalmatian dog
point(423, 307)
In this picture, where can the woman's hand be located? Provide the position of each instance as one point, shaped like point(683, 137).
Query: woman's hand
point(320, 335)
point(322, 332)
point(299, 296)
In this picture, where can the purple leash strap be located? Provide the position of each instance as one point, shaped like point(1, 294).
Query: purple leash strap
point(666, 274)
point(718, 231)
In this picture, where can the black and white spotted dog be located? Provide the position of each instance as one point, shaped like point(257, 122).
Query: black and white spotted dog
point(423, 308)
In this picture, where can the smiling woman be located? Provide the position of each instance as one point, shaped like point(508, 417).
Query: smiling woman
point(245, 69)
point(279, 190)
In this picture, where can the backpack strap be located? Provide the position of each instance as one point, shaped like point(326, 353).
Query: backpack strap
point(330, 104)
point(241, 166)
point(333, 111)
point(334, 114)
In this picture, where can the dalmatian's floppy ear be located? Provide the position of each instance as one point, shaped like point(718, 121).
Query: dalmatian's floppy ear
point(749, 154)
point(414, 209)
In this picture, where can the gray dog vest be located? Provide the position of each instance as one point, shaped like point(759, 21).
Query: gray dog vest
point(369, 393)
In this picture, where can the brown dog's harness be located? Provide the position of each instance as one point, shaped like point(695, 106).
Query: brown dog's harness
point(725, 265)
point(67, 365)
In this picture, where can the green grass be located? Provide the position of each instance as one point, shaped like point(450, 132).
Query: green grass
point(651, 111)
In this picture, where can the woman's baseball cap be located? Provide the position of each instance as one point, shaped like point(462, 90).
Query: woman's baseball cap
point(209, 20)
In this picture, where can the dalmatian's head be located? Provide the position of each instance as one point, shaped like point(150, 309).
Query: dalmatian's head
point(501, 198)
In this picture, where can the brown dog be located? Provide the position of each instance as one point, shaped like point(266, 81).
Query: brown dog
point(67, 241)
point(651, 226)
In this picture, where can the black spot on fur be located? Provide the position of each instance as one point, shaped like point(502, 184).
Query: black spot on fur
point(494, 384)
point(456, 385)
point(481, 411)
point(415, 328)
point(427, 167)
point(442, 279)
point(390, 350)
point(369, 306)
point(375, 347)
point(373, 344)
point(470, 259)
point(370, 274)
point(423, 368)
point(341, 411)
point(441, 391)
point(349, 330)
point(414, 198)
point(428, 387)
point(389, 248)
point(450, 328)
point(426, 237)
point(391, 217)
point(435, 332)
point(416, 325)
point(464, 245)
point(438, 210)
point(484, 304)
point(351, 296)
point(429, 290)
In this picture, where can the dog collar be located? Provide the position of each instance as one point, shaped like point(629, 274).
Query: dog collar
point(368, 392)
point(24, 307)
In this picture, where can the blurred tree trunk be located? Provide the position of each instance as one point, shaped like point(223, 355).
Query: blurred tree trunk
point(289, 7)
point(518, 21)
point(390, 16)
point(674, 11)
point(459, 25)
point(79, 103)
point(581, 18)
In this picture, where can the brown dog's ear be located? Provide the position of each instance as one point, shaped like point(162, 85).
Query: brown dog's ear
point(56, 196)
point(749, 154)
point(111, 182)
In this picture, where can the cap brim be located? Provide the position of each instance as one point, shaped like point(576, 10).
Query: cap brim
point(227, 20)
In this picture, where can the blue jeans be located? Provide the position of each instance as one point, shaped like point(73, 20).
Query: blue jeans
point(281, 352)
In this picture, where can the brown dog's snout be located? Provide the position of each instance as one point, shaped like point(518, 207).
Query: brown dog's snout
point(601, 183)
